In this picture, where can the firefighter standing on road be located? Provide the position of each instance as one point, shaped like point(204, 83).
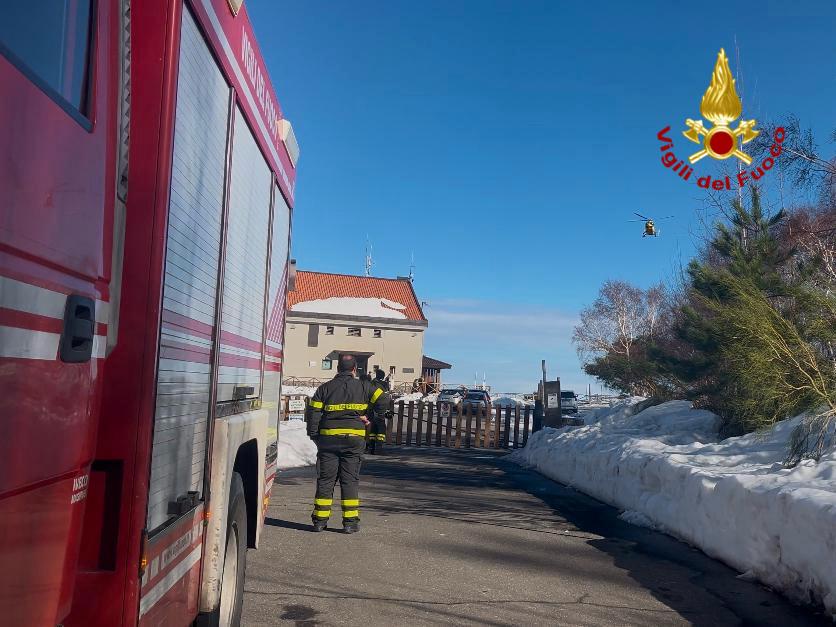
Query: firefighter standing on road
point(337, 423)
point(377, 430)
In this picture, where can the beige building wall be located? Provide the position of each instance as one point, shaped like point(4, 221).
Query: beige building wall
point(401, 344)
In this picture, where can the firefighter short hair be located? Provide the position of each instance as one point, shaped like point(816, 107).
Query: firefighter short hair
point(347, 363)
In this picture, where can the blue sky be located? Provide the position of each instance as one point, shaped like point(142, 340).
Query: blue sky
point(506, 144)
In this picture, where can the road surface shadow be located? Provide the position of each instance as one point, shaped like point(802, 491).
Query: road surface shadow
point(446, 483)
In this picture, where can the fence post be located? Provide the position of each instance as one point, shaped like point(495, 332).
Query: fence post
point(409, 418)
point(389, 419)
point(468, 426)
point(497, 442)
point(399, 434)
point(459, 426)
point(478, 431)
point(516, 426)
point(429, 433)
point(449, 433)
point(419, 432)
point(506, 436)
point(527, 415)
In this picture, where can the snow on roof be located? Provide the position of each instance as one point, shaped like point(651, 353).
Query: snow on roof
point(318, 286)
point(351, 306)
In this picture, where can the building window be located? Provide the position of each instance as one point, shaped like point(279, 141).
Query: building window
point(329, 330)
point(409, 370)
point(378, 333)
point(313, 335)
point(354, 331)
point(326, 364)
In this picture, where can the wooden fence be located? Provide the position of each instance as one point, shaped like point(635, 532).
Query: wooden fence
point(442, 424)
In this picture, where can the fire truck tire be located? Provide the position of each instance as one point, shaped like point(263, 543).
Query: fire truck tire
point(230, 605)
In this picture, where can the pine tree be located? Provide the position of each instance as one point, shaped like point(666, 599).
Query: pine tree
point(752, 335)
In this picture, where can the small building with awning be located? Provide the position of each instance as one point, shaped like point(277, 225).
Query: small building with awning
point(431, 371)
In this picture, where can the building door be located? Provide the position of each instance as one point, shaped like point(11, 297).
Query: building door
point(362, 361)
point(362, 365)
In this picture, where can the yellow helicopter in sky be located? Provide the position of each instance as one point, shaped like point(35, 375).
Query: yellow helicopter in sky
point(650, 229)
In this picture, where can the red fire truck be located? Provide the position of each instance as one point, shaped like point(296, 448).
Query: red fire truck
point(146, 186)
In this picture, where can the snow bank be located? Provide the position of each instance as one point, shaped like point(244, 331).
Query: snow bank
point(621, 409)
point(732, 499)
point(296, 449)
point(351, 306)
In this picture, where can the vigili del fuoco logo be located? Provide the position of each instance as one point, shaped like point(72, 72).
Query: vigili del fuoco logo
point(721, 106)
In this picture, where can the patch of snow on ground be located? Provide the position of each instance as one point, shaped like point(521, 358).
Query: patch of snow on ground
point(297, 390)
point(640, 520)
point(352, 306)
point(733, 499)
point(414, 396)
point(296, 449)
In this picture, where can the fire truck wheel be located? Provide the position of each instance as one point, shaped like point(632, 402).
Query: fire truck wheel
point(228, 612)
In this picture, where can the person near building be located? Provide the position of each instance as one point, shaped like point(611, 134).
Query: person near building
point(381, 379)
point(336, 421)
point(377, 428)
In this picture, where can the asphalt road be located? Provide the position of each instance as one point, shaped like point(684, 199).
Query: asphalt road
point(467, 538)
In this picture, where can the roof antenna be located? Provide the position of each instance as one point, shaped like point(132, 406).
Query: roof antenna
point(368, 262)
point(412, 267)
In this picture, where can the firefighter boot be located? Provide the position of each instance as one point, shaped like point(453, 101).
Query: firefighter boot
point(351, 526)
point(319, 525)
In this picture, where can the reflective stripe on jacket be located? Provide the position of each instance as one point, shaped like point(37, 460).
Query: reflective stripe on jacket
point(338, 404)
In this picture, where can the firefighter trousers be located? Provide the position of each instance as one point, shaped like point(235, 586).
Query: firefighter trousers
point(338, 457)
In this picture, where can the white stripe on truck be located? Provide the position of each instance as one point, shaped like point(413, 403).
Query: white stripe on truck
point(150, 598)
point(40, 301)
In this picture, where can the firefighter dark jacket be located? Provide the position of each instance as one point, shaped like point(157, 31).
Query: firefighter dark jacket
point(338, 404)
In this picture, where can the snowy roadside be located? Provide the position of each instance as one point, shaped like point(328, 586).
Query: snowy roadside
point(732, 499)
point(296, 449)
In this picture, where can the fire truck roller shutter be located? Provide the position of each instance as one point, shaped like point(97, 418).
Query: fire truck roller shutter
point(277, 300)
point(242, 318)
point(191, 274)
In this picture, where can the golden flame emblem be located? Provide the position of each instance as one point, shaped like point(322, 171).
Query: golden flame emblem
point(721, 105)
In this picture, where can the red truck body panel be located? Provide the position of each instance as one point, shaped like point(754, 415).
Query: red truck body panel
point(74, 467)
point(55, 217)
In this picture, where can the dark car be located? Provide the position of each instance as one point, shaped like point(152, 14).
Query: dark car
point(477, 399)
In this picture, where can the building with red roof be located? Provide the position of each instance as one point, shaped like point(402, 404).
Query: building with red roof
point(377, 320)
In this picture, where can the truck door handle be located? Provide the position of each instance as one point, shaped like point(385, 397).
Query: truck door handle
point(79, 330)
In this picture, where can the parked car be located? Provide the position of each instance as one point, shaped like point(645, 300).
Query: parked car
point(483, 393)
point(568, 402)
point(450, 395)
point(477, 399)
